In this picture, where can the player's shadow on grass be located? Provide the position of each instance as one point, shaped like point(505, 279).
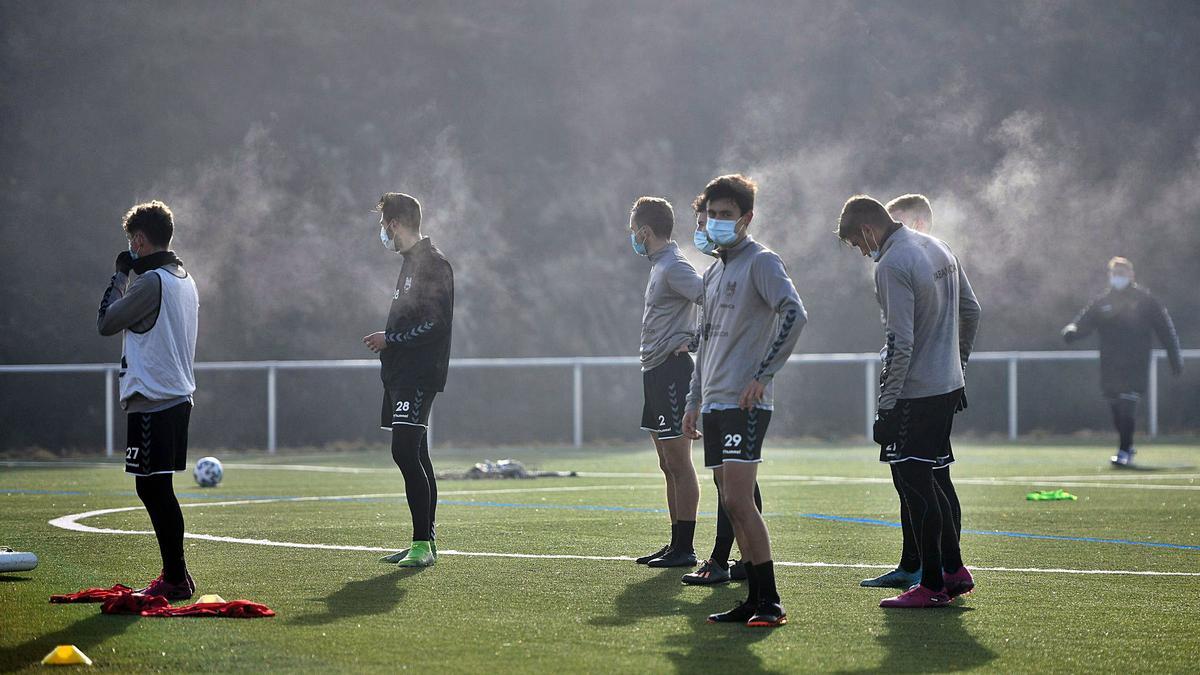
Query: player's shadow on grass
point(86, 634)
point(1144, 468)
point(376, 595)
point(657, 595)
point(707, 648)
point(8, 577)
point(928, 641)
point(717, 647)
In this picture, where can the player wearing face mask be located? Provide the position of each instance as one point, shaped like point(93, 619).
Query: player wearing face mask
point(414, 355)
point(752, 319)
point(1127, 317)
point(668, 332)
point(931, 318)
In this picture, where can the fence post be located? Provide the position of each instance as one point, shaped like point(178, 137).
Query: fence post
point(429, 431)
point(271, 409)
point(869, 399)
point(1012, 398)
point(108, 412)
point(1153, 392)
point(577, 401)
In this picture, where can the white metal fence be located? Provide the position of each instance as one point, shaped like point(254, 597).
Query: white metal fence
point(869, 362)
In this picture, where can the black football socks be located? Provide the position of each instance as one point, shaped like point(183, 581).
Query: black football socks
point(406, 451)
point(158, 495)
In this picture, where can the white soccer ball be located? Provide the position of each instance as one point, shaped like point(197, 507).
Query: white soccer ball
point(208, 472)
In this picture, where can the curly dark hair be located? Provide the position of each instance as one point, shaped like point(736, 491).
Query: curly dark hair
point(733, 186)
point(154, 220)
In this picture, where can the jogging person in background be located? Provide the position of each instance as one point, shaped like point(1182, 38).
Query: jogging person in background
point(931, 318)
point(668, 330)
point(752, 319)
point(718, 568)
point(414, 353)
point(157, 315)
point(1128, 318)
point(915, 212)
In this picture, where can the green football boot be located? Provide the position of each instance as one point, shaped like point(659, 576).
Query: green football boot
point(420, 554)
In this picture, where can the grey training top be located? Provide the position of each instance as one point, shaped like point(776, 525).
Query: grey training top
point(134, 305)
point(752, 317)
point(669, 320)
point(930, 317)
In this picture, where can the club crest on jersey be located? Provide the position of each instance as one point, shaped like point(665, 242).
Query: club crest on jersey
point(407, 283)
point(730, 289)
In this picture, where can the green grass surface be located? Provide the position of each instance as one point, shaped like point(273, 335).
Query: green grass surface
point(343, 611)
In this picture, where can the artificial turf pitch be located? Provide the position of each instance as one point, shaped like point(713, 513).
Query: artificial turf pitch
point(341, 610)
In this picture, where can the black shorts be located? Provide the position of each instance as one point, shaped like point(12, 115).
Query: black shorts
point(734, 435)
point(665, 389)
point(157, 442)
point(406, 406)
point(925, 425)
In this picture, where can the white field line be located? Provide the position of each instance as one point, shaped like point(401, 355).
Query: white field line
point(1097, 481)
point(71, 523)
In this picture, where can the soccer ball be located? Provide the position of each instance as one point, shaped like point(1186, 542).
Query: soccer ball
point(208, 472)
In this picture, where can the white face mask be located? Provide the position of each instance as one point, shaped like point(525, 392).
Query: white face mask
point(1118, 281)
point(874, 251)
point(388, 242)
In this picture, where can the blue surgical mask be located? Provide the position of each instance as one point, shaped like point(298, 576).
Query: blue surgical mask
point(723, 232)
point(388, 242)
point(638, 247)
point(706, 245)
point(1118, 281)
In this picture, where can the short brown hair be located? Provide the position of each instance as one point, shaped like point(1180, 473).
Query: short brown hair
point(154, 220)
point(916, 204)
point(733, 186)
point(699, 203)
point(1118, 261)
point(655, 213)
point(402, 207)
point(861, 210)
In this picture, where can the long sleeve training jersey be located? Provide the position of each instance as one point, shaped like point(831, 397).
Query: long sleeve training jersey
point(752, 319)
point(931, 317)
point(419, 321)
point(157, 312)
point(1128, 321)
point(672, 293)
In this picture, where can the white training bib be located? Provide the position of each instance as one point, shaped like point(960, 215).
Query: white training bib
point(159, 361)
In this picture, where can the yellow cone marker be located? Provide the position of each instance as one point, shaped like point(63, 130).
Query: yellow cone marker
point(211, 597)
point(66, 655)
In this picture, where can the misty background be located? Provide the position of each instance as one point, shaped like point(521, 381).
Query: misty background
point(1049, 136)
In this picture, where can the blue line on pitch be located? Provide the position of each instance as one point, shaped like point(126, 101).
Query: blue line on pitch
point(1002, 533)
point(560, 507)
point(39, 492)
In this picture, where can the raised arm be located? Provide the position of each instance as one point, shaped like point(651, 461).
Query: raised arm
point(135, 307)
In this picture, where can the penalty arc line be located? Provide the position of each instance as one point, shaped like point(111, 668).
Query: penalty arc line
point(71, 522)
